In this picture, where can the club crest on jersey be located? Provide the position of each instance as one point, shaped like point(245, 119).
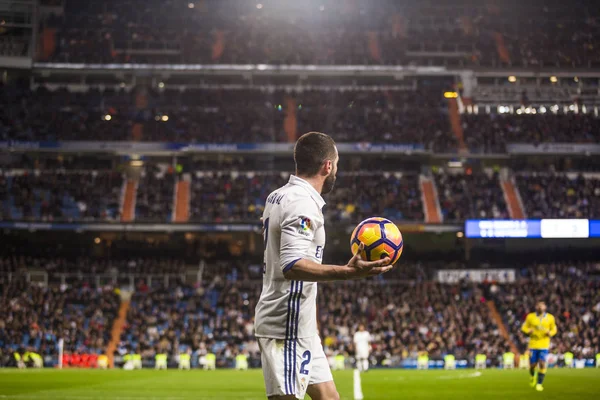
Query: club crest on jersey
point(305, 226)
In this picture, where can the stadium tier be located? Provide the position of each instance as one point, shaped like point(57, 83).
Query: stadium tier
point(72, 195)
point(238, 196)
point(35, 319)
point(556, 195)
point(216, 314)
point(412, 116)
point(456, 33)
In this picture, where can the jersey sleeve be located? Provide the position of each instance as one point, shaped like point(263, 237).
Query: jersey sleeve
point(525, 328)
point(553, 328)
point(298, 226)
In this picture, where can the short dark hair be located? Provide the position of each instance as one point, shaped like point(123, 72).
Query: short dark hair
point(311, 151)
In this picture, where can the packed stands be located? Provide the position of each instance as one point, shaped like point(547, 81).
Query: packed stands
point(155, 195)
point(225, 116)
point(395, 196)
point(33, 317)
point(60, 196)
point(389, 32)
point(240, 196)
point(560, 195)
point(13, 46)
point(257, 116)
point(491, 132)
point(87, 266)
point(217, 318)
point(418, 116)
point(571, 292)
point(215, 314)
point(475, 195)
point(232, 196)
point(429, 317)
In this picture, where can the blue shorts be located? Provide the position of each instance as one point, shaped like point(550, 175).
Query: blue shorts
point(538, 355)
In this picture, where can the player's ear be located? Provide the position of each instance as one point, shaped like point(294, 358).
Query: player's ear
point(327, 167)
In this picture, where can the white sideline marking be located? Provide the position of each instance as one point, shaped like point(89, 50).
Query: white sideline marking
point(475, 374)
point(358, 394)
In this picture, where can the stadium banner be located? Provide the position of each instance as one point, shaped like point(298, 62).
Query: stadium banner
point(533, 228)
point(118, 227)
point(411, 363)
point(263, 69)
point(553, 148)
point(170, 148)
point(476, 275)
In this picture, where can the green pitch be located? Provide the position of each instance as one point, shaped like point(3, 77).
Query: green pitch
point(228, 384)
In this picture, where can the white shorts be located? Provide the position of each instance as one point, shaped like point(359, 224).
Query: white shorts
point(361, 354)
point(290, 366)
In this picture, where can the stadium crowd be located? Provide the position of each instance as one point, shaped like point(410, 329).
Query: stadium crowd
point(572, 293)
point(86, 268)
point(560, 195)
point(394, 196)
point(217, 318)
point(239, 197)
point(34, 318)
point(476, 195)
point(225, 116)
point(232, 196)
point(215, 315)
point(491, 132)
point(155, 195)
point(389, 32)
point(258, 116)
point(60, 195)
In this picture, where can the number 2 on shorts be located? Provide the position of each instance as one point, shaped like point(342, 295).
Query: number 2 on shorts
point(306, 358)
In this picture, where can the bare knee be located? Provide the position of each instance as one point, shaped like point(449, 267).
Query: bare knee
point(323, 391)
point(328, 396)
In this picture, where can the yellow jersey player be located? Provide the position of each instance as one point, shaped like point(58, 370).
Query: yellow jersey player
point(540, 326)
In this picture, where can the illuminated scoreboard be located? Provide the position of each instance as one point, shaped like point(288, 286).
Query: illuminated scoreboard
point(533, 228)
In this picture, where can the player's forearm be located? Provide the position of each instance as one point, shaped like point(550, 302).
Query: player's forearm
point(310, 271)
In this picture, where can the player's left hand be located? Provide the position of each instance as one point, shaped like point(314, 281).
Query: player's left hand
point(363, 268)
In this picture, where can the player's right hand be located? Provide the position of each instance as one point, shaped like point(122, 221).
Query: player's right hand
point(363, 269)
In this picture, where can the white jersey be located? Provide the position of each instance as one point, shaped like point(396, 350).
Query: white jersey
point(293, 230)
point(361, 342)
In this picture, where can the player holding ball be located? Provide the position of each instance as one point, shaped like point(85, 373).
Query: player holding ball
point(293, 360)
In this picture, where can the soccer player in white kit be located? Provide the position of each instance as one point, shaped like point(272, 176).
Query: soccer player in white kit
point(292, 356)
point(362, 347)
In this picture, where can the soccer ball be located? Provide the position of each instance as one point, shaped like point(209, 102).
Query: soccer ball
point(381, 238)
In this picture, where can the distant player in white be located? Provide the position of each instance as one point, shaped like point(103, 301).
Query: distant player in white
point(362, 345)
point(292, 356)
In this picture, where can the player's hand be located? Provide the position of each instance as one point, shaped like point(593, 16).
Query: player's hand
point(363, 269)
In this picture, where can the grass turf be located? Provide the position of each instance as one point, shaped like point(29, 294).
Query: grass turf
point(560, 384)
